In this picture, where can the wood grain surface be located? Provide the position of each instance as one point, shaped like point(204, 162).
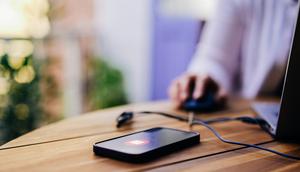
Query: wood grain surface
point(67, 145)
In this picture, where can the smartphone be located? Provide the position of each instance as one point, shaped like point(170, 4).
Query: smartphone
point(146, 145)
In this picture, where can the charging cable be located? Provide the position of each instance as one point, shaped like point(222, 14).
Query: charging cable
point(125, 117)
point(200, 122)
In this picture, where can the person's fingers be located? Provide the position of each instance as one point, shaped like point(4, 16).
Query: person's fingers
point(199, 87)
point(184, 86)
point(173, 90)
point(202, 84)
point(221, 96)
point(174, 93)
point(206, 83)
point(180, 89)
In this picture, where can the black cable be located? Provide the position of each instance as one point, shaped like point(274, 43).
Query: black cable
point(178, 117)
point(199, 122)
point(245, 119)
point(127, 116)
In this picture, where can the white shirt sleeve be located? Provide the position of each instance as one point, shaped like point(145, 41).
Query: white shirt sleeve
point(218, 52)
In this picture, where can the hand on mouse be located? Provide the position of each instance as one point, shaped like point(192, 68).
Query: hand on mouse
point(195, 86)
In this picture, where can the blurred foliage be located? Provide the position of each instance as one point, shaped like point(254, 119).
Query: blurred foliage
point(20, 110)
point(30, 90)
point(104, 86)
point(21, 106)
point(51, 90)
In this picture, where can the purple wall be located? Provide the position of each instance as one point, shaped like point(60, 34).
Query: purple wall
point(174, 42)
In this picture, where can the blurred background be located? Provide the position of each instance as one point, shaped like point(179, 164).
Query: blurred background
point(61, 58)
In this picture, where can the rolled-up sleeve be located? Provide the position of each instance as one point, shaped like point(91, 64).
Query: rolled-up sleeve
point(218, 52)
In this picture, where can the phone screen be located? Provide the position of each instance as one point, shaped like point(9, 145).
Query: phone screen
point(145, 141)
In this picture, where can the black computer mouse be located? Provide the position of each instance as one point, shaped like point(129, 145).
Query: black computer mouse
point(204, 104)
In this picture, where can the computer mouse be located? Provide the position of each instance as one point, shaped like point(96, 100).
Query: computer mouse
point(204, 104)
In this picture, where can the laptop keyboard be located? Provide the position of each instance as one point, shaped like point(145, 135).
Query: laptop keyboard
point(268, 111)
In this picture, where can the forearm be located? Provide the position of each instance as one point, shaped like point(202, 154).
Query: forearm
point(218, 53)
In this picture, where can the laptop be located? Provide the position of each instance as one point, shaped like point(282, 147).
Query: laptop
point(283, 119)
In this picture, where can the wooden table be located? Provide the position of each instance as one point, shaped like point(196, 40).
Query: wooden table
point(67, 145)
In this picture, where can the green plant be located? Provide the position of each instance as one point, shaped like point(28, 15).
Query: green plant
point(20, 110)
point(105, 85)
